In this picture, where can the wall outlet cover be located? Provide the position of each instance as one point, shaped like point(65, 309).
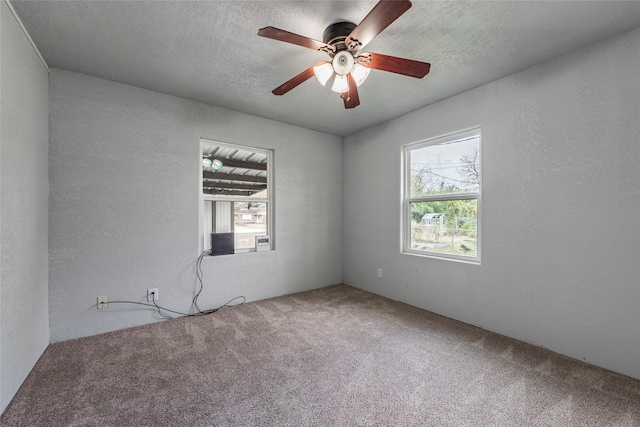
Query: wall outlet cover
point(102, 302)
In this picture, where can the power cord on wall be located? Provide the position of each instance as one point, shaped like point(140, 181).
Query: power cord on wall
point(200, 275)
point(199, 312)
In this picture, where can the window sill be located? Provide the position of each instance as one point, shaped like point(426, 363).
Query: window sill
point(444, 257)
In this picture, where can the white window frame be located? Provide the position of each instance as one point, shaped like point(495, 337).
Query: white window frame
point(407, 199)
point(205, 238)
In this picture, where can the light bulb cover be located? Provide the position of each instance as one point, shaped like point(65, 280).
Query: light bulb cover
point(206, 162)
point(360, 73)
point(216, 164)
point(340, 84)
point(343, 62)
point(323, 72)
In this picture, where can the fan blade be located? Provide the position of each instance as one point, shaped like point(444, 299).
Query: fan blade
point(406, 67)
point(380, 17)
point(286, 36)
point(350, 97)
point(292, 83)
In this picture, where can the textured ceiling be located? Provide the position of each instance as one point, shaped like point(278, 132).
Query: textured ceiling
point(209, 51)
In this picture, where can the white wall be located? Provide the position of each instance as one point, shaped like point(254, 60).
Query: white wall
point(561, 195)
point(124, 210)
point(24, 187)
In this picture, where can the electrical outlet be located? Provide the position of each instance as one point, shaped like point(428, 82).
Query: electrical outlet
point(379, 272)
point(102, 302)
point(152, 294)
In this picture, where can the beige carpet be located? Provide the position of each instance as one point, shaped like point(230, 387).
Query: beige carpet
point(337, 356)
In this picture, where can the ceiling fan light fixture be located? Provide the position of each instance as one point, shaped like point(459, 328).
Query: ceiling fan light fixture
point(343, 62)
point(343, 42)
point(360, 73)
point(340, 84)
point(323, 72)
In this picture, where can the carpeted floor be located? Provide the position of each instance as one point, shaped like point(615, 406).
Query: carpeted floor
point(337, 356)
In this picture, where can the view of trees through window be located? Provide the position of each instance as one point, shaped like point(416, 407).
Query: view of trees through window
point(444, 185)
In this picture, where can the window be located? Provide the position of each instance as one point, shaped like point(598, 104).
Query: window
point(441, 196)
point(236, 198)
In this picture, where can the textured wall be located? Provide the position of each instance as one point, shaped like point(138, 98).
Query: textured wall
point(24, 320)
point(124, 211)
point(561, 196)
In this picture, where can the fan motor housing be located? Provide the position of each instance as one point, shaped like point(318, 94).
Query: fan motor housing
point(336, 33)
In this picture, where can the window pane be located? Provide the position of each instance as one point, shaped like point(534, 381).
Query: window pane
point(250, 220)
point(447, 226)
point(245, 219)
point(446, 168)
point(235, 194)
point(233, 172)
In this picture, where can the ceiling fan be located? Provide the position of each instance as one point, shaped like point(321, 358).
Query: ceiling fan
point(343, 42)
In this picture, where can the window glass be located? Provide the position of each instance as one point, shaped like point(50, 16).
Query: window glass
point(446, 168)
point(236, 195)
point(448, 226)
point(442, 196)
